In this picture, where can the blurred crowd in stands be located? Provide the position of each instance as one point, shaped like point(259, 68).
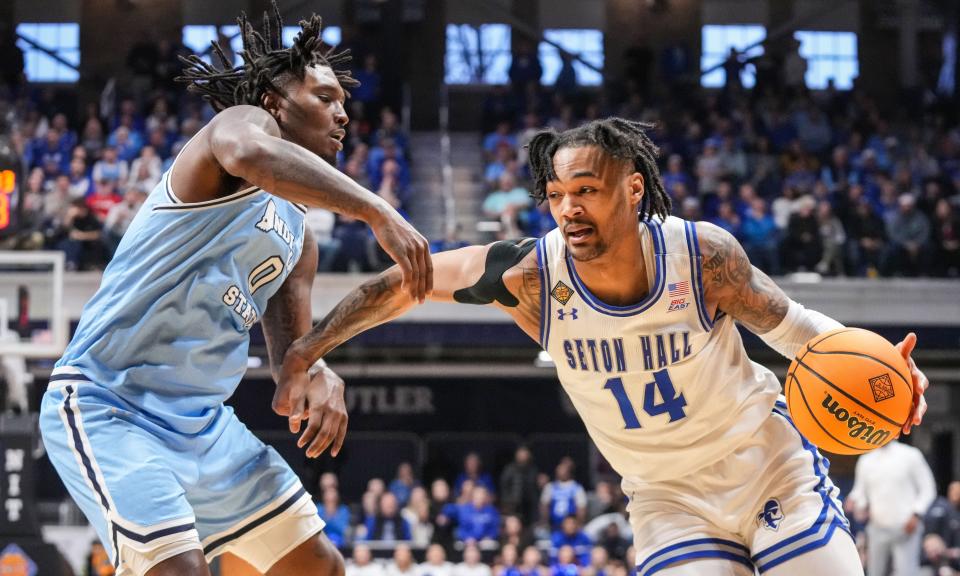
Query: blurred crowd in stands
point(808, 181)
point(818, 181)
point(83, 180)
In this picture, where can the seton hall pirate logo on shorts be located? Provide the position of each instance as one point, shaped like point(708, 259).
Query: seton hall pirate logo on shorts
point(771, 516)
point(882, 387)
point(562, 293)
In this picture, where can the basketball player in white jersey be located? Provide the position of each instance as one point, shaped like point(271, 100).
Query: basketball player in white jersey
point(640, 319)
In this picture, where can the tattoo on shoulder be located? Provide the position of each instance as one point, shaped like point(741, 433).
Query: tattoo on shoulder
point(740, 290)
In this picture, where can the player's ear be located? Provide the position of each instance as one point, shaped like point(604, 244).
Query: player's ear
point(270, 101)
point(637, 189)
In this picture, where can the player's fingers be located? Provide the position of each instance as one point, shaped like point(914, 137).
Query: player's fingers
point(906, 347)
point(314, 424)
point(406, 267)
point(298, 401)
point(341, 435)
point(325, 436)
point(921, 410)
point(423, 275)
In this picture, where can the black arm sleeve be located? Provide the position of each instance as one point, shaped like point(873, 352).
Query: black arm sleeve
point(502, 256)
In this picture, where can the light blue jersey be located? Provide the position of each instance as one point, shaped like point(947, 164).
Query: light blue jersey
point(133, 419)
point(168, 330)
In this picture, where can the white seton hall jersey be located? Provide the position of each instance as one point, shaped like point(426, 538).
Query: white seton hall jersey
point(167, 333)
point(662, 388)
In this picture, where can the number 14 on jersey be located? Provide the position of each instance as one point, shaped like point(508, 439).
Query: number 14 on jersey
point(670, 402)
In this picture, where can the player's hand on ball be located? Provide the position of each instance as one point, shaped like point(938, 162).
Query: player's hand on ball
point(318, 399)
point(920, 383)
point(410, 250)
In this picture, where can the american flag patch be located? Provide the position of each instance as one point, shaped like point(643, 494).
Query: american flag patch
point(679, 289)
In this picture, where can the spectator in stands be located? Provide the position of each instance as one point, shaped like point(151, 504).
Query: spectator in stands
point(599, 559)
point(362, 563)
point(833, 238)
point(802, 246)
point(355, 254)
point(81, 243)
point(378, 155)
point(80, 184)
point(601, 500)
point(127, 143)
point(478, 520)
point(571, 535)
point(390, 128)
point(563, 496)
point(946, 239)
point(941, 543)
point(518, 486)
point(368, 92)
point(504, 161)
point(417, 515)
point(515, 533)
point(436, 563)
point(145, 170)
point(709, 168)
point(50, 154)
point(98, 561)
point(110, 167)
point(733, 162)
point(564, 563)
point(403, 563)
point(866, 237)
point(506, 203)
point(613, 541)
point(530, 565)
point(676, 175)
point(118, 219)
point(93, 141)
point(387, 525)
point(337, 516)
point(908, 250)
point(443, 513)
point(471, 565)
point(794, 69)
point(404, 483)
point(727, 219)
point(104, 198)
point(473, 470)
point(506, 561)
point(759, 235)
point(502, 136)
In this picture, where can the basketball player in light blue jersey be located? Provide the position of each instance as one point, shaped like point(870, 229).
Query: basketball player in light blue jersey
point(133, 419)
point(640, 319)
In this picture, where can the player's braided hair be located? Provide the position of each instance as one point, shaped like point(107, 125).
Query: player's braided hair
point(619, 138)
point(266, 63)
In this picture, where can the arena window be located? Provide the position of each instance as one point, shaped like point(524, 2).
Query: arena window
point(61, 38)
point(587, 43)
point(829, 55)
point(716, 43)
point(477, 54)
point(197, 37)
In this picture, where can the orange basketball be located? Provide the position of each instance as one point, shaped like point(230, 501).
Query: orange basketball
point(849, 391)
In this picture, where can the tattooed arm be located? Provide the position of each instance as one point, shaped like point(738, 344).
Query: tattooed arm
point(732, 285)
point(380, 300)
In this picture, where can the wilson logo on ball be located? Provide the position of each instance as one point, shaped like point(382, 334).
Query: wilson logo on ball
point(857, 427)
point(882, 387)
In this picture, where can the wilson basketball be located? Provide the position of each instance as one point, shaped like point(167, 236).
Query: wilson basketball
point(849, 391)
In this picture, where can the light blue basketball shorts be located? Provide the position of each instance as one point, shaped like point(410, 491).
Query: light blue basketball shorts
point(152, 493)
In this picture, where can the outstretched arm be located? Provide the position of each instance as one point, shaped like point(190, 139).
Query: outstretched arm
point(243, 144)
point(732, 285)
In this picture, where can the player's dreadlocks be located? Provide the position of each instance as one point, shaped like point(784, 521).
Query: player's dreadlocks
point(267, 65)
point(617, 137)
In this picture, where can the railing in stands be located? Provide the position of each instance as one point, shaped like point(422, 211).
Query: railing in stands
point(449, 201)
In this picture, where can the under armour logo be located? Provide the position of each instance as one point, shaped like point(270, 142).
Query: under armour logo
point(561, 314)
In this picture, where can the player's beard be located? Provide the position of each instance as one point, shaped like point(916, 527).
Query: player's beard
point(587, 253)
